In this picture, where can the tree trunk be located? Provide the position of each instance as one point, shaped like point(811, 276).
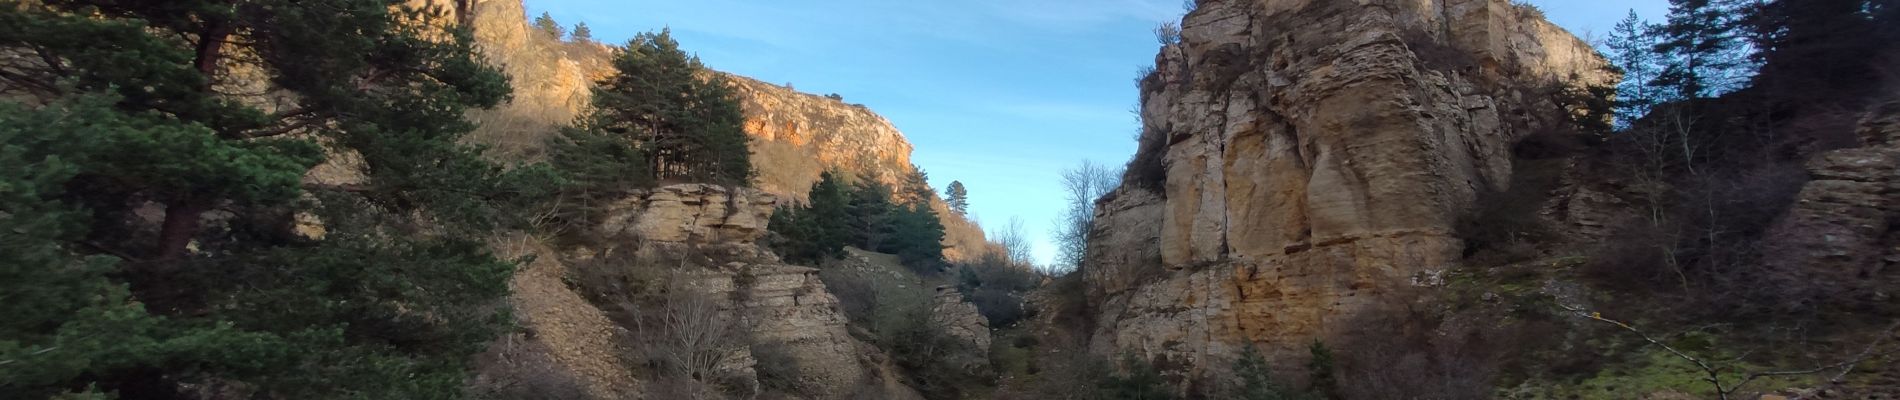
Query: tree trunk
point(210, 51)
point(183, 216)
point(182, 220)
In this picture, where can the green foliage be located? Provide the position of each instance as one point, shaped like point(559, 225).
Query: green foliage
point(916, 238)
point(1632, 51)
point(123, 113)
point(915, 189)
point(1138, 380)
point(1256, 377)
point(688, 127)
point(347, 304)
point(1702, 50)
point(66, 319)
point(863, 215)
point(818, 231)
point(872, 213)
point(596, 169)
point(958, 197)
point(1320, 371)
point(582, 33)
point(546, 24)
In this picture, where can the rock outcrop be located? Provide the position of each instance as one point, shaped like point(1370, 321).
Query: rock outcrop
point(700, 238)
point(959, 319)
point(1304, 160)
point(799, 135)
point(690, 213)
point(1838, 234)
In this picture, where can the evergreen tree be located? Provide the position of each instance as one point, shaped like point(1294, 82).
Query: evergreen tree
point(582, 33)
point(127, 109)
point(916, 238)
point(958, 198)
point(546, 24)
point(1256, 381)
point(1632, 50)
point(598, 169)
point(819, 230)
point(1702, 48)
point(915, 189)
point(1319, 370)
point(689, 128)
point(872, 214)
point(1816, 52)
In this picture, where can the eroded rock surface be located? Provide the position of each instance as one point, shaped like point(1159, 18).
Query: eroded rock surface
point(690, 213)
point(1839, 231)
point(1302, 161)
point(960, 320)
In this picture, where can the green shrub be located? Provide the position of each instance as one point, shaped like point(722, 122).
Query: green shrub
point(1138, 380)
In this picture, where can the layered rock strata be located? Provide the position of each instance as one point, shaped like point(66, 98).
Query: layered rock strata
point(1839, 235)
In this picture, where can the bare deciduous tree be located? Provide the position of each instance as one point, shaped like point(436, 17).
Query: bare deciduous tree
point(1083, 185)
point(1014, 243)
point(688, 334)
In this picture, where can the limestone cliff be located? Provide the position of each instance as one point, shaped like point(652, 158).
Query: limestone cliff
point(1304, 160)
point(795, 136)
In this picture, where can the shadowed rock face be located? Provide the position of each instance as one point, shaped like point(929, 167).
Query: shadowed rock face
point(1839, 232)
point(1302, 161)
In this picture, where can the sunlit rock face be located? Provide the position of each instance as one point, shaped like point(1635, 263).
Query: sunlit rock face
point(1304, 160)
point(795, 136)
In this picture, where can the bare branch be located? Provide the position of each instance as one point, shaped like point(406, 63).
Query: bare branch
point(1714, 373)
point(35, 353)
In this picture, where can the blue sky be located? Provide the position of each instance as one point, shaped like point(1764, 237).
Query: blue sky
point(999, 94)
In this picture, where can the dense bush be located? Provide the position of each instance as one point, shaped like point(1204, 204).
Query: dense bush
point(865, 214)
point(1137, 380)
point(896, 313)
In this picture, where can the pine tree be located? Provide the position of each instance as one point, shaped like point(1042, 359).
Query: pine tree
point(958, 198)
point(1319, 370)
point(916, 238)
point(819, 230)
point(872, 214)
point(128, 109)
point(915, 189)
point(582, 33)
point(1702, 48)
point(1820, 51)
point(1632, 50)
point(546, 24)
point(689, 128)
